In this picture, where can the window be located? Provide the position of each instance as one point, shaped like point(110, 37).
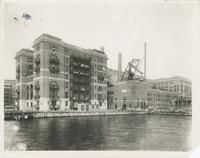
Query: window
point(53, 48)
point(100, 104)
point(31, 104)
point(82, 107)
point(100, 60)
point(66, 94)
point(66, 68)
point(100, 88)
point(66, 59)
point(66, 103)
point(27, 104)
point(66, 85)
point(66, 76)
point(27, 92)
point(30, 59)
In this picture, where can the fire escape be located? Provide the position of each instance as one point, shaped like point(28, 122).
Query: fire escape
point(80, 73)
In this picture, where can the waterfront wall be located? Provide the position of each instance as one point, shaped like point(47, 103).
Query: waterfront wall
point(94, 113)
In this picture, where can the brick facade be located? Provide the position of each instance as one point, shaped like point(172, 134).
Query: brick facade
point(64, 77)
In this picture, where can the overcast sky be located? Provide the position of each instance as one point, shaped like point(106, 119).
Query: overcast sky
point(119, 27)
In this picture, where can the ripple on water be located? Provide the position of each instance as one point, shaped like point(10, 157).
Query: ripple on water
point(125, 132)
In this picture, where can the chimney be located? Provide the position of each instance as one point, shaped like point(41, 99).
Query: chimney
point(145, 45)
point(119, 67)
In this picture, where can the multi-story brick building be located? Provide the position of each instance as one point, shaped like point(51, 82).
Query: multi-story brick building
point(176, 84)
point(59, 76)
point(170, 93)
point(9, 94)
point(160, 99)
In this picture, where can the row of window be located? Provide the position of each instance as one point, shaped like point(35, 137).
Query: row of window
point(99, 96)
point(173, 82)
point(28, 59)
point(99, 60)
point(55, 48)
point(31, 104)
point(158, 95)
point(99, 88)
point(98, 81)
point(158, 99)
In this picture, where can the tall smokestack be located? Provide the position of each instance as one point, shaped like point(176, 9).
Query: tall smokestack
point(119, 67)
point(145, 45)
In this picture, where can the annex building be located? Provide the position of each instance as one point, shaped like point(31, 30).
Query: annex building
point(59, 76)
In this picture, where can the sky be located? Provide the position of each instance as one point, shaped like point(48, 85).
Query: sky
point(119, 27)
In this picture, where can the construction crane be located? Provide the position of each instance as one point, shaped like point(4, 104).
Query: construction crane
point(131, 70)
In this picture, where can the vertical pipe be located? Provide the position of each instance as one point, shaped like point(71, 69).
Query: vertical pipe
point(145, 44)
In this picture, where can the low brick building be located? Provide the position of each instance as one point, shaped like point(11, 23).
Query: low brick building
point(128, 95)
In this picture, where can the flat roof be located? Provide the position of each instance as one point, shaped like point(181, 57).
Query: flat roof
point(24, 50)
point(58, 41)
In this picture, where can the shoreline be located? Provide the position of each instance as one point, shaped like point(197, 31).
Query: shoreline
point(55, 114)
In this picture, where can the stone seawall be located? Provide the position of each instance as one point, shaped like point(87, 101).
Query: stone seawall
point(78, 114)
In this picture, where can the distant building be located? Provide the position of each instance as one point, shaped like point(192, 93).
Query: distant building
point(170, 93)
point(9, 94)
point(159, 99)
point(177, 84)
point(59, 76)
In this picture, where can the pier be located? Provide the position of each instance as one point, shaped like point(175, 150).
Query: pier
point(18, 115)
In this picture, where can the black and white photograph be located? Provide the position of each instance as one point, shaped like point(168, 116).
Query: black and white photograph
point(98, 76)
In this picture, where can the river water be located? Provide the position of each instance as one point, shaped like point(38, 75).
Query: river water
point(124, 132)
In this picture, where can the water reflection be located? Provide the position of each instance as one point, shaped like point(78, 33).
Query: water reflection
point(126, 132)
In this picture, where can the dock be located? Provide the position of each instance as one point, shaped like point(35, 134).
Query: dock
point(18, 115)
